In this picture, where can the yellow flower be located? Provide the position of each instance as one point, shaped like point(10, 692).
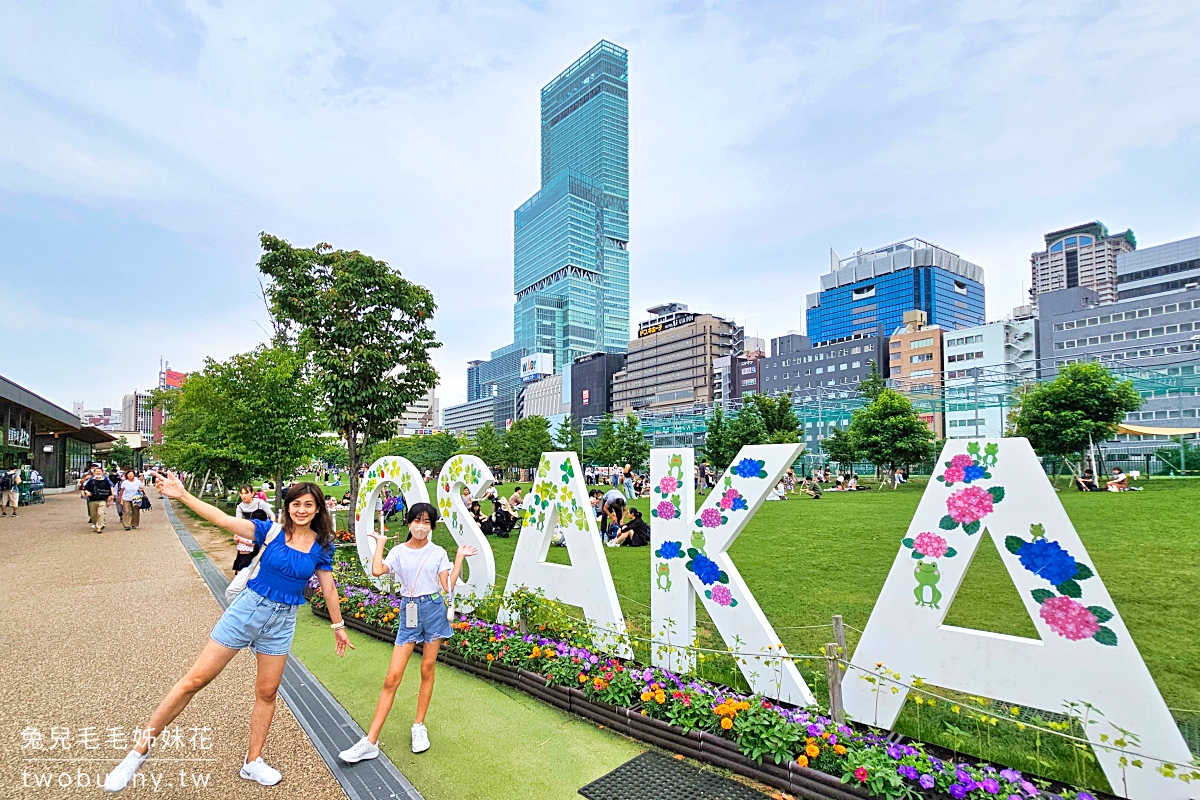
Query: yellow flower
point(919, 700)
point(812, 751)
point(802, 760)
point(646, 697)
point(839, 749)
point(955, 709)
point(726, 723)
point(659, 697)
point(1014, 710)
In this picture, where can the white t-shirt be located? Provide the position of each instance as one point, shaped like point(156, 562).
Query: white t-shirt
point(430, 560)
point(130, 489)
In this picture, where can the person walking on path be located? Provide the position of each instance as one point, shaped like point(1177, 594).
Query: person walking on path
point(262, 617)
point(130, 495)
point(426, 580)
point(10, 479)
point(251, 508)
point(99, 493)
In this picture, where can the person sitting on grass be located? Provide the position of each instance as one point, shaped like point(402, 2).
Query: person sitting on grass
point(426, 578)
point(614, 516)
point(812, 488)
point(634, 532)
point(1087, 482)
point(1119, 482)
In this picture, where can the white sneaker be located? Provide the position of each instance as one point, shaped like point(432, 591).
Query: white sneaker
point(612, 543)
point(123, 773)
point(420, 738)
point(257, 770)
point(360, 751)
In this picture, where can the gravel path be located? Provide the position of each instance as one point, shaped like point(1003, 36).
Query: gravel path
point(94, 630)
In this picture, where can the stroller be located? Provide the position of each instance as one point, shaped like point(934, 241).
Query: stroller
point(503, 520)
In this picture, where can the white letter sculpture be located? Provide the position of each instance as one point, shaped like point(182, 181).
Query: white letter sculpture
point(1085, 652)
point(399, 472)
point(468, 472)
point(689, 557)
point(559, 499)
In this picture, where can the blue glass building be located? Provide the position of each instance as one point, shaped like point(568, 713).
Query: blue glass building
point(869, 292)
point(570, 256)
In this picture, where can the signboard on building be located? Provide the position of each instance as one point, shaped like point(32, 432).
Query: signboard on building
point(674, 322)
point(18, 437)
point(536, 366)
point(173, 379)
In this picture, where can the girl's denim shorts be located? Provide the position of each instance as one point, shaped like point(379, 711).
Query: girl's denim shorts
point(431, 620)
point(253, 621)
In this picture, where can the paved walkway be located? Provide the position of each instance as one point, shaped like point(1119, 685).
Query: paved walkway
point(94, 629)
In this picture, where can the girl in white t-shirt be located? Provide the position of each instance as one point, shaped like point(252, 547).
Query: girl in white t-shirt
point(426, 579)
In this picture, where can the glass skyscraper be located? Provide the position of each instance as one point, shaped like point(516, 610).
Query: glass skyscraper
point(570, 256)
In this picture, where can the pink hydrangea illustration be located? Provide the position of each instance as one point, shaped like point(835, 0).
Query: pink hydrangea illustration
point(721, 595)
point(969, 505)
point(710, 518)
point(668, 484)
point(930, 544)
point(1069, 618)
point(726, 503)
point(666, 510)
point(962, 461)
point(954, 475)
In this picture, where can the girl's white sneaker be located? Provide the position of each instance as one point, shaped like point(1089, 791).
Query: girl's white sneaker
point(420, 738)
point(258, 770)
point(359, 751)
point(123, 773)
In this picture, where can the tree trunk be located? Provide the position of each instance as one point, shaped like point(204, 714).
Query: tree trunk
point(352, 457)
point(278, 492)
point(204, 484)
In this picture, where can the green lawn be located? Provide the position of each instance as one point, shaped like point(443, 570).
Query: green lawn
point(488, 740)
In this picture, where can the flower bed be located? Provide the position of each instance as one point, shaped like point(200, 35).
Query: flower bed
point(797, 750)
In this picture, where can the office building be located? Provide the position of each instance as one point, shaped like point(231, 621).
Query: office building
point(1085, 255)
point(570, 241)
point(669, 365)
point(869, 293)
point(830, 369)
point(981, 367)
point(421, 416)
point(591, 384)
point(465, 418)
point(544, 398)
point(500, 378)
point(137, 413)
point(915, 363)
point(106, 419)
point(1162, 269)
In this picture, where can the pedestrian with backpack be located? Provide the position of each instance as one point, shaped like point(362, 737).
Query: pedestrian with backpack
point(99, 493)
point(130, 494)
point(10, 479)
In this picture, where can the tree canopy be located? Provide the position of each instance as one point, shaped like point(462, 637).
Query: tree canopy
point(365, 329)
point(602, 449)
point(888, 432)
point(1083, 404)
point(777, 416)
point(629, 441)
point(526, 440)
point(567, 437)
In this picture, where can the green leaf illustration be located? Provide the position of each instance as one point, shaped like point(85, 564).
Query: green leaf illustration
point(692, 552)
point(951, 552)
point(971, 528)
point(1083, 572)
point(1105, 636)
point(940, 478)
point(1041, 595)
point(1013, 544)
point(907, 542)
point(997, 493)
point(947, 523)
point(1101, 613)
point(917, 554)
point(732, 602)
point(1070, 589)
point(987, 475)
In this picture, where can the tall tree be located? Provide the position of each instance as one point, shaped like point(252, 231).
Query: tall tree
point(569, 437)
point(198, 430)
point(526, 440)
point(630, 443)
point(745, 428)
point(718, 448)
point(602, 450)
point(272, 404)
point(776, 412)
point(840, 448)
point(887, 432)
point(489, 445)
point(366, 330)
point(1084, 404)
point(121, 455)
point(873, 385)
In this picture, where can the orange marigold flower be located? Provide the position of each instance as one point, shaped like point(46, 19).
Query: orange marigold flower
point(491, 657)
point(812, 751)
point(726, 723)
point(839, 749)
point(802, 760)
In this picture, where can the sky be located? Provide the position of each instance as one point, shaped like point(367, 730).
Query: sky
point(144, 144)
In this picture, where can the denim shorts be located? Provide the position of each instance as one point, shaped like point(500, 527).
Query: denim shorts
point(253, 621)
point(431, 620)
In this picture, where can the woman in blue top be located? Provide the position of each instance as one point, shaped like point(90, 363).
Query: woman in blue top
point(262, 617)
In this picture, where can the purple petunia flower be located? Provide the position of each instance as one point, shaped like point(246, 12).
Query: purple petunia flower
point(927, 781)
point(1085, 796)
point(1029, 788)
point(905, 771)
point(1010, 775)
point(958, 791)
point(990, 785)
point(962, 775)
point(814, 729)
point(895, 751)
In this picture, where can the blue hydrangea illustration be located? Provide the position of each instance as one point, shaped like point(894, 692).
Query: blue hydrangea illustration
point(739, 504)
point(748, 468)
point(705, 568)
point(670, 550)
point(1048, 560)
point(973, 473)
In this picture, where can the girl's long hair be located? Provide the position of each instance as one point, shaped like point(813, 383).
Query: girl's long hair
point(322, 522)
